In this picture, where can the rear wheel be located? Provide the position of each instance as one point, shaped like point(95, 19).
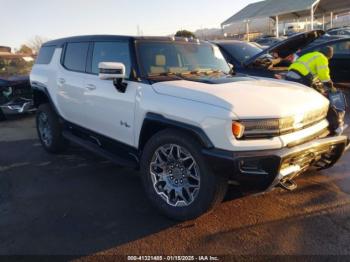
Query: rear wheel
point(2, 116)
point(49, 129)
point(177, 179)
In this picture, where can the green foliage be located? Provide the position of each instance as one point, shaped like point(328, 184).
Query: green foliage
point(14, 67)
point(185, 33)
point(25, 50)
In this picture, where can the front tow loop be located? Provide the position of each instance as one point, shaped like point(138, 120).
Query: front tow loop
point(288, 185)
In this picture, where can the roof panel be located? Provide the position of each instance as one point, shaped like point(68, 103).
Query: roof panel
point(270, 8)
point(333, 5)
point(249, 11)
point(286, 9)
point(279, 7)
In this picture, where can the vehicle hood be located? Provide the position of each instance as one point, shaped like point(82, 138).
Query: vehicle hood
point(248, 98)
point(14, 81)
point(289, 46)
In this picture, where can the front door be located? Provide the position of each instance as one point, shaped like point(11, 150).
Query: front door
point(107, 111)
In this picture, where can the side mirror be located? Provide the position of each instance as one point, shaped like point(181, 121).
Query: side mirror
point(113, 71)
point(232, 69)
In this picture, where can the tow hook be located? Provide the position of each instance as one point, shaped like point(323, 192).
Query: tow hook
point(288, 185)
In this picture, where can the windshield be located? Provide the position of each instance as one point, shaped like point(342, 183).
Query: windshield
point(164, 58)
point(241, 51)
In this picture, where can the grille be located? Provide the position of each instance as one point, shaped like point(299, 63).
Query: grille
point(314, 117)
point(309, 157)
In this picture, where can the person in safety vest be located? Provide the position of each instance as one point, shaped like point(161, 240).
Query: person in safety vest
point(311, 67)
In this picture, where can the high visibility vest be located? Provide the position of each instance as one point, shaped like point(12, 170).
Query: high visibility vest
point(314, 63)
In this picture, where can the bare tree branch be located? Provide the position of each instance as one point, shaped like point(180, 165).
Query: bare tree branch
point(36, 42)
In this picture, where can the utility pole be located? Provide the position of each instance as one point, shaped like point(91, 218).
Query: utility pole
point(138, 30)
point(331, 19)
point(312, 18)
point(247, 29)
point(323, 23)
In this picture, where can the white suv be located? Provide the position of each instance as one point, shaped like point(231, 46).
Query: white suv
point(171, 108)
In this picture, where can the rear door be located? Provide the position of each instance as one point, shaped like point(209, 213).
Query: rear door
point(70, 82)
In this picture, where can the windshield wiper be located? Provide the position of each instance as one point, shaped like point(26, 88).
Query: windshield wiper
point(165, 74)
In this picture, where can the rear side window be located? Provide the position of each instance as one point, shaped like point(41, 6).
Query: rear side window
point(75, 56)
point(45, 55)
point(111, 52)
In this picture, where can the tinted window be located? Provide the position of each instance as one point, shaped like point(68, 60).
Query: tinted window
point(111, 52)
point(45, 55)
point(241, 51)
point(3, 82)
point(76, 55)
point(342, 48)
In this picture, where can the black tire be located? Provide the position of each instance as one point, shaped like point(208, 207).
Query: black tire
point(2, 116)
point(57, 143)
point(212, 188)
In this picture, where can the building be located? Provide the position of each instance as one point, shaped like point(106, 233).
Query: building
point(283, 16)
point(6, 54)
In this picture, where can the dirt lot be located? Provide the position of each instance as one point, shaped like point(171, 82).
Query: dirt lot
point(79, 204)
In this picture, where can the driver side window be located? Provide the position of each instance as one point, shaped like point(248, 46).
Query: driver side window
point(111, 52)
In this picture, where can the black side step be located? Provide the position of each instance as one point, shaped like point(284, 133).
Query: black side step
point(100, 151)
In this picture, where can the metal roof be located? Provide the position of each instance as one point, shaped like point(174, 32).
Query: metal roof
point(248, 12)
point(286, 9)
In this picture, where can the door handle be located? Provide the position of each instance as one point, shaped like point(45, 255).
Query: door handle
point(61, 80)
point(91, 87)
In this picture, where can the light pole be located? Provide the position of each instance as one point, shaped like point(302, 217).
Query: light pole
point(247, 29)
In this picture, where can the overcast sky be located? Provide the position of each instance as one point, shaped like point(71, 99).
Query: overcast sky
point(22, 20)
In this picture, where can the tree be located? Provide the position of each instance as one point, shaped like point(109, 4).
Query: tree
point(36, 42)
point(24, 49)
point(185, 33)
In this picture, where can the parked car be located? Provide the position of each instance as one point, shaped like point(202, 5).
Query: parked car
point(252, 60)
point(268, 40)
point(340, 31)
point(240, 55)
point(340, 63)
point(170, 108)
point(15, 96)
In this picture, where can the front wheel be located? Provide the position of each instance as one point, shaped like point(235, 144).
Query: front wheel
point(176, 177)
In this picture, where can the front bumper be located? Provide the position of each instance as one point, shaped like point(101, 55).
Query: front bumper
point(264, 170)
point(18, 106)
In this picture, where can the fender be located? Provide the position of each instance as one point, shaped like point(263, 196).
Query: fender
point(153, 120)
point(39, 92)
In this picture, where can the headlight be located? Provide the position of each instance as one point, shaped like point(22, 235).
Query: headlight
point(267, 128)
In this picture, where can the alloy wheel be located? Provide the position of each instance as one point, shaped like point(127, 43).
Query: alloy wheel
point(175, 175)
point(44, 129)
